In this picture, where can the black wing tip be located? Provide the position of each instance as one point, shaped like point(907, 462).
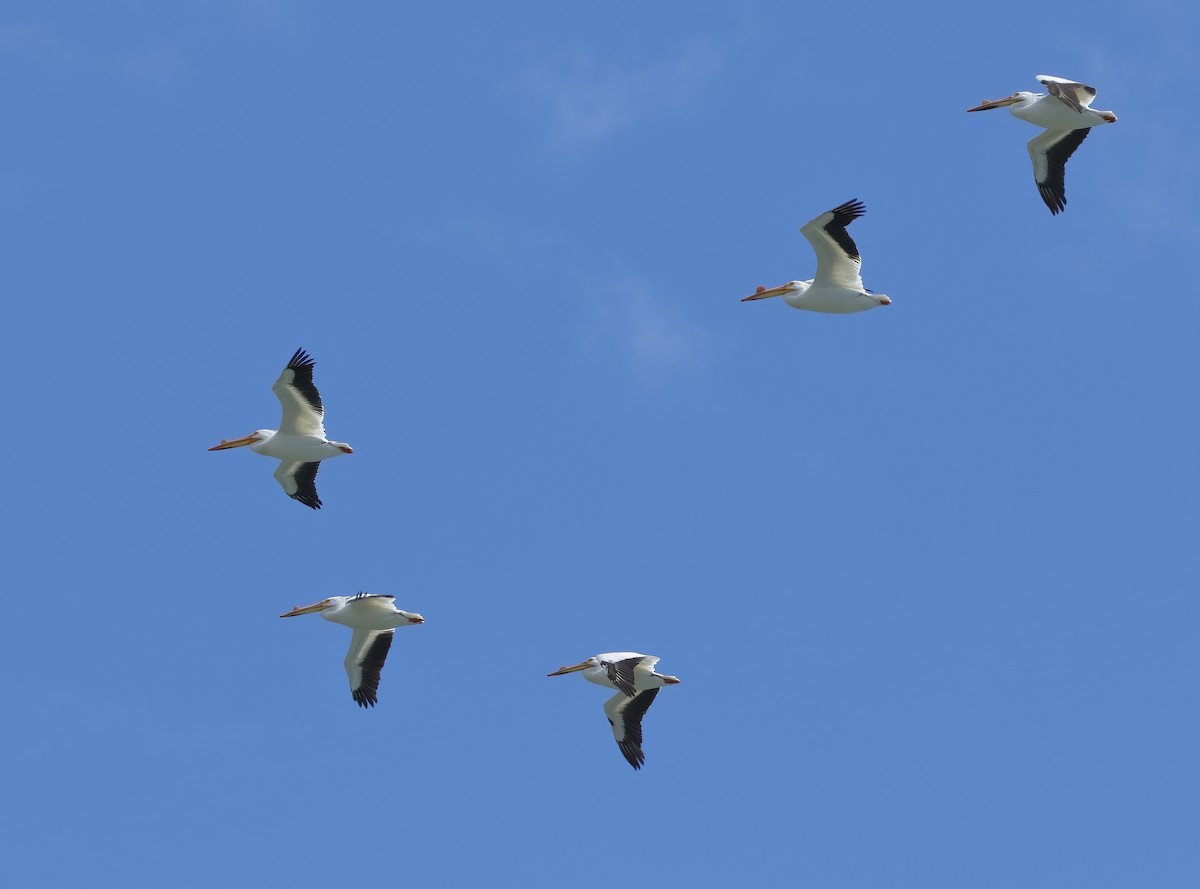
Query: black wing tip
point(1054, 188)
point(1055, 200)
point(371, 664)
point(300, 359)
point(635, 710)
point(846, 213)
point(633, 754)
point(843, 215)
point(306, 484)
point(301, 367)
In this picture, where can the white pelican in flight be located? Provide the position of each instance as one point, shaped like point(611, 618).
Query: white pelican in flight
point(300, 444)
point(637, 685)
point(374, 620)
point(838, 286)
point(1065, 113)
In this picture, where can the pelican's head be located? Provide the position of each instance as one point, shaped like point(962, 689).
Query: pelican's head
point(1022, 98)
point(323, 605)
point(582, 665)
point(782, 290)
point(258, 436)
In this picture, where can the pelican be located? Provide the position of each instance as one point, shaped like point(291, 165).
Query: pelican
point(1065, 112)
point(374, 620)
point(300, 444)
point(838, 286)
point(637, 685)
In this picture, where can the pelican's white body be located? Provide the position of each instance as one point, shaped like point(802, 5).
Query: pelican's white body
point(1065, 114)
point(374, 620)
point(837, 288)
point(300, 443)
point(632, 675)
point(366, 613)
point(832, 299)
point(294, 448)
point(644, 676)
point(1049, 113)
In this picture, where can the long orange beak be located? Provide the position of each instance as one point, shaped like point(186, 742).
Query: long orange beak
point(307, 609)
point(989, 104)
point(561, 670)
point(765, 293)
point(236, 443)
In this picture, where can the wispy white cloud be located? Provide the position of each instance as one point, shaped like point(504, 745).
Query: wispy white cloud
point(586, 99)
point(641, 327)
point(478, 231)
point(1160, 175)
point(1158, 143)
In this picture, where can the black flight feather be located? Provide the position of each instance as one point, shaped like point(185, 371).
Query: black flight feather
point(367, 693)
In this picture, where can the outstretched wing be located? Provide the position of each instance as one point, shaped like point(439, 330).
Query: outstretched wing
point(375, 601)
point(621, 674)
point(838, 262)
point(1049, 153)
point(303, 413)
point(1075, 96)
point(364, 662)
point(625, 716)
point(299, 481)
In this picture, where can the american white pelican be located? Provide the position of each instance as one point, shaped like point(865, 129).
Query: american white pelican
point(838, 286)
point(300, 444)
point(1065, 113)
point(637, 685)
point(374, 620)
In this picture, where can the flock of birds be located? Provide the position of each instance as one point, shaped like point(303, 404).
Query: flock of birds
point(300, 443)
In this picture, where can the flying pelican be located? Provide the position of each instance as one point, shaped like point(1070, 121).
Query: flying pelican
point(374, 620)
point(637, 685)
point(838, 286)
point(300, 444)
point(1065, 113)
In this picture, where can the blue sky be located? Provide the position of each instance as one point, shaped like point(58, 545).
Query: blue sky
point(928, 573)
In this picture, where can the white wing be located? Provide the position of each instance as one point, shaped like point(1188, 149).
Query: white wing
point(625, 716)
point(1049, 153)
point(303, 412)
point(838, 262)
point(364, 662)
point(377, 603)
point(1074, 95)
